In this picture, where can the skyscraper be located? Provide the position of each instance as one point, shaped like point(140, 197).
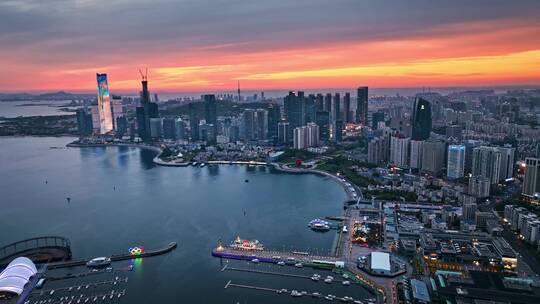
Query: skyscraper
point(294, 108)
point(210, 109)
point(284, 132)
point(261, 124)
point(494, 163)
point(320, 102)
point(456, 161)
point(433, 153)
point(104, 104)
point(336, 109)
point(416, 154)
point(169, 128)
point(479, 186)
point(421, 119)
point(310, 108)
point(399, 151)
point(249, 124)
point(376, 118)
point(193, 122)
point(300, 138)
point(84, 122)
point(328, 103)
point(146, 111)
point(338, 130)
point(322, 119)
point(274, 116)
point(347, 108)
point(362, 106)
point(531, 183)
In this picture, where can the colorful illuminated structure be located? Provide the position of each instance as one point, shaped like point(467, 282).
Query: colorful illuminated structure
point(104, 104)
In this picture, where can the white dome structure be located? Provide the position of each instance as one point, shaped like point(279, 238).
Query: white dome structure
point(16, 276)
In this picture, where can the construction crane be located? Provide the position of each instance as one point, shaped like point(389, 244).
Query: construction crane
point(145, 75)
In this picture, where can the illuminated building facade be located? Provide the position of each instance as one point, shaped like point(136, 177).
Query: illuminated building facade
point(104, 105)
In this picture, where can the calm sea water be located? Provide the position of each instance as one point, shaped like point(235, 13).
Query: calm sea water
point(11, 109)
point(152, 206)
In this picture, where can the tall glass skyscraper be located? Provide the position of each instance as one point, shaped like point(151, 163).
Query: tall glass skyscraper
point(362, 106)
point(421, 119)
point(104, 105)
point(456, 161)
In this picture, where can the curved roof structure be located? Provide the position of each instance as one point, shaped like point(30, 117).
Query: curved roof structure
point(16, 275)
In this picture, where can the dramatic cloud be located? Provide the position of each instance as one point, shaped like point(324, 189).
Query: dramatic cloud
point(210, 44)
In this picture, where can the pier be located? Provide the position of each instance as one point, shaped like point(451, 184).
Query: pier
point(282, 274)
point(115, 258)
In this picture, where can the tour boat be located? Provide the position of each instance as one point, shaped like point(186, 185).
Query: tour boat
point(319, 225)
point(99, 262)
point(246, 244)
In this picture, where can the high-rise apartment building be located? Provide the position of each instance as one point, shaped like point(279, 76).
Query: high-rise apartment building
point(531, 183)
point(455, 166)
point(399, 151)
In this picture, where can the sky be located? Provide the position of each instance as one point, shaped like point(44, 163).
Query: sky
point(210, 45)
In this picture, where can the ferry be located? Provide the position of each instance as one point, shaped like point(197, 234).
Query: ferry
point(246, 244)
point(319, 225)
point(99, 262)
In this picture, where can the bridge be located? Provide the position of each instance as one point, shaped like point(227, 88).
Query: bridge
point(43, 249)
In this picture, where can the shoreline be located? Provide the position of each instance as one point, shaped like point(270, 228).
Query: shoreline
point(279, 167)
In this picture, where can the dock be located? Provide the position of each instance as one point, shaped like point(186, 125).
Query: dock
point(282, 274)
point(115, 258)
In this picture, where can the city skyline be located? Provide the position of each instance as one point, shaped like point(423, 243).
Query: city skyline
point(188, 47)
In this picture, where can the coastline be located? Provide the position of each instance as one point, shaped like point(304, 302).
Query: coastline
point(279, 167)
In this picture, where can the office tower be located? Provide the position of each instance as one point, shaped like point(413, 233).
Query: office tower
point(249, 124)
point(378, 149)
point(328, 103)
point(207, 132)
point(210, 109)
point(294, 108)
point(193, 122)
point(531, 183)
point(84, 122)
point(347, 115)
point(141, 122)
point(274, 116)
point(146, 111)
point(156, 98)
point(310, 108)
point(399, 151)
point(454, 131)
point(433, 154)
point(169, 128)
point(284, 132)
point(421, 119)
point(362, 106)
point(319, 102)
point(469, 147)
point(312, 134)
point(104, 105)
point(261, 125)
point(376, 118)
point(117, 109)
point(456, 161)
point(494, 163)
point(180, 127)
point(416, 154)
point(338, 130)
point(300, 138)
point(322, 119)
point(94, 110)
point(336, 107)
point(155, 128)
point(121, 126)
point(507, 163)
point(479, 186)
point(469, 211)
